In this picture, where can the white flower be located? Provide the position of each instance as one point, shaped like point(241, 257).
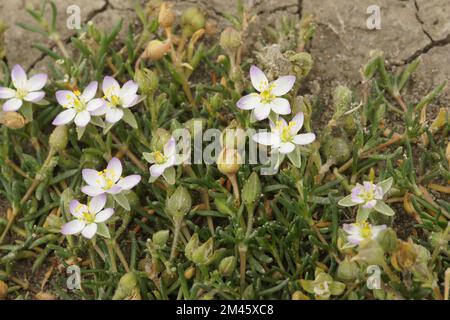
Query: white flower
point(108, 180)
point(87, 216)
point(79, 106)
point(360, 231)
point(268, 97)
point(26, 89)
point(162, 161)
point(284, 137)
point(118, 98)
point(367, 194)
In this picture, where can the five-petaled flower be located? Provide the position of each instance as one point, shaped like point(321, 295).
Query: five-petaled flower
point(284, 137)
point(360, 231)
point(118, 98)
point(79, 106)
point(87, 216)
point(162, 161)
point(108, 180)
point(268, 96)
point(26, 89)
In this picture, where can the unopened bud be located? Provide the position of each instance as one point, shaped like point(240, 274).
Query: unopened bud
point(202, 254)
point(251, 190)
point(387, 240)
point(166, 16)
point(12, 120)
point(156, 50)
point(189, 273)
point(347, 270)
point(128, 288)
point(191, 246)
point(160, 238)
point(337, 149)
point(3, 290)
point(302, 64)
point(229, 161)
point(342, 99)
point(147, 80)
point(230, 39)
point(59, 138)
point(227, 266)
point(179, 203)
point(159, 138)
point(370, 252)
point(192, 20)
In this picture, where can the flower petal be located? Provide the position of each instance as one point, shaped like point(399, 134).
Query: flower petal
point(76, 208)
point(114, 189)
point(95, 104)
point(64, 117)
point(92, 177)
point(35, 96)
point(7, 93)
point(65, 98)
point(100, 110)
point(97, 203)
point(351, 228)
point(249, 102)
point(104, 215)
point(13, 104)
point(286, 147)
point(114, 169)
point(37, 82)
point(113, 115)
point(377, 229)
point(370, 204)
point(169, 147)
point(92, 191)
point(266, 138)
point(129, 89)
point(130, 100)
point(157, 169)
point(82, 119)
point(19, 77)
point(261, 112)
point(90, 91)
point(297, 123)
point(89, 231)
point(72, 227)
point(283, 85)
point(304, 138)
point(280, 106)
point(355, 239)
point(259, 79)
point(110, 86)
point(129, 182)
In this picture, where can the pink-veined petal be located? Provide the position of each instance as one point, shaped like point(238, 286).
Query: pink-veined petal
point(259, 79)
point(13, 104)
point(104, 215)
point(114, 169)
point(283, 85)
point(92, 177)
point(37, 82)
point(90, 91)
point(19, 77)
point(129, 182)
point(97, 203)
point(35, 96)
point(76, 208)
point(304, 138)
point(113, 115)
point(73, 227)
point(280, 106)
point(286, 147)
point(92, 191)
point(261, 112)
point(7, 93)
point(82, 118)
point(89, 231)
point(297, 123)
point(64, 117)
point(249, 102)
point(266, 138)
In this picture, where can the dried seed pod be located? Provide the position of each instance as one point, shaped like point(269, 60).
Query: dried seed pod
point(3, 290)
point(166, 16)
point(230, 39)
point(156, 50)
point(229, 161)
point(45, 296)
point(192, 20)
point(12, 120)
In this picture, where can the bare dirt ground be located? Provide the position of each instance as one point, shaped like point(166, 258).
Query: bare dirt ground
point(342, 44)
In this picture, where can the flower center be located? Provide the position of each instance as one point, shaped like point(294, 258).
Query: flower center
point(115, 100)
point(266, 95)
point(77, 103)
point(159, 157)
point(88, 217)
point(285, 135)
point(21, 93)
point(321, 288)
point(365, 230)
point(106, 175)
point(367, 195)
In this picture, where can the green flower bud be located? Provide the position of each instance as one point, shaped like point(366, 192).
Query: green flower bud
point(147, 81)
point(191, 21)
point(342, 99)
point(179, 203)
point(128, 288)
point(191, 246)
point(168, 277)
point(251, 190)
point(202, 254)
point(337, 149)
point(160, 238)
point(249, 293)
point(347, 270)
point(387, 240)
point(230, 39)
point(229, 161)
point(59, 138)
point(159, 138)
point(227, 266)
point(302, 64)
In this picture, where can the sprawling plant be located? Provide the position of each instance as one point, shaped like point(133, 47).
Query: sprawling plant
point(100, 169)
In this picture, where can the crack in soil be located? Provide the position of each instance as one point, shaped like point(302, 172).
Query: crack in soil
point(66, 40)
point(300, 9)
